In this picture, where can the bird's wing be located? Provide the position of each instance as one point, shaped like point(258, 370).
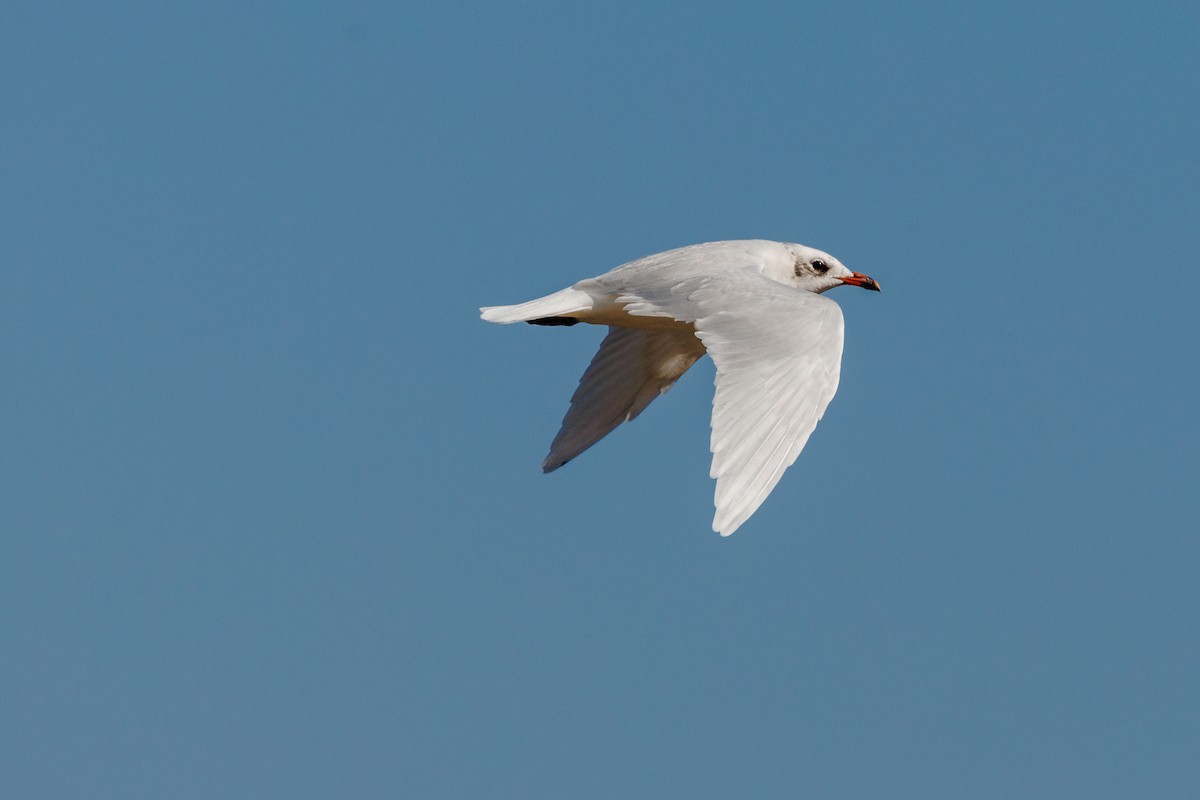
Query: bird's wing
point(778, 352)
point(631, 368)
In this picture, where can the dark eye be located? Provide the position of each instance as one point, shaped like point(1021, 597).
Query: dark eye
point(820, 266)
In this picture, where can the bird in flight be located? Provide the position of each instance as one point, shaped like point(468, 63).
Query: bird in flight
point(755, 306)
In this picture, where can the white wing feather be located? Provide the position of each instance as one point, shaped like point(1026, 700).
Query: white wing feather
point(778, 353)
point(631, 368)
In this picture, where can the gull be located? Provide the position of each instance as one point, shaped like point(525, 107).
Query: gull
point(755, 306)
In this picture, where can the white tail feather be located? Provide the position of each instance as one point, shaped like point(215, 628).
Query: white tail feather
point(561, 303)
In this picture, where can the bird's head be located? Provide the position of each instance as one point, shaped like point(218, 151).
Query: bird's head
point(818, 272)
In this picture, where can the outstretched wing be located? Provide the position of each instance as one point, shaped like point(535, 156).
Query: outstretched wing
point(631, 368)
point(778, 352)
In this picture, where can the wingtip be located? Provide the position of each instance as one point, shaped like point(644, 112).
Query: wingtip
point(724, 528)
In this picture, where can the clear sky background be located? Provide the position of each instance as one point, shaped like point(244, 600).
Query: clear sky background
point(273, 519)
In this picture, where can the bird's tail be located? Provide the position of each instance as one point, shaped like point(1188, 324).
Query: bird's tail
point(560, 305)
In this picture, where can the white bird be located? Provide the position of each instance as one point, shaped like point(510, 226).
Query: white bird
point(755, 307)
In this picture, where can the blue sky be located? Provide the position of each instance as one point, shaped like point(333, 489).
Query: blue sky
point(273, 519)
